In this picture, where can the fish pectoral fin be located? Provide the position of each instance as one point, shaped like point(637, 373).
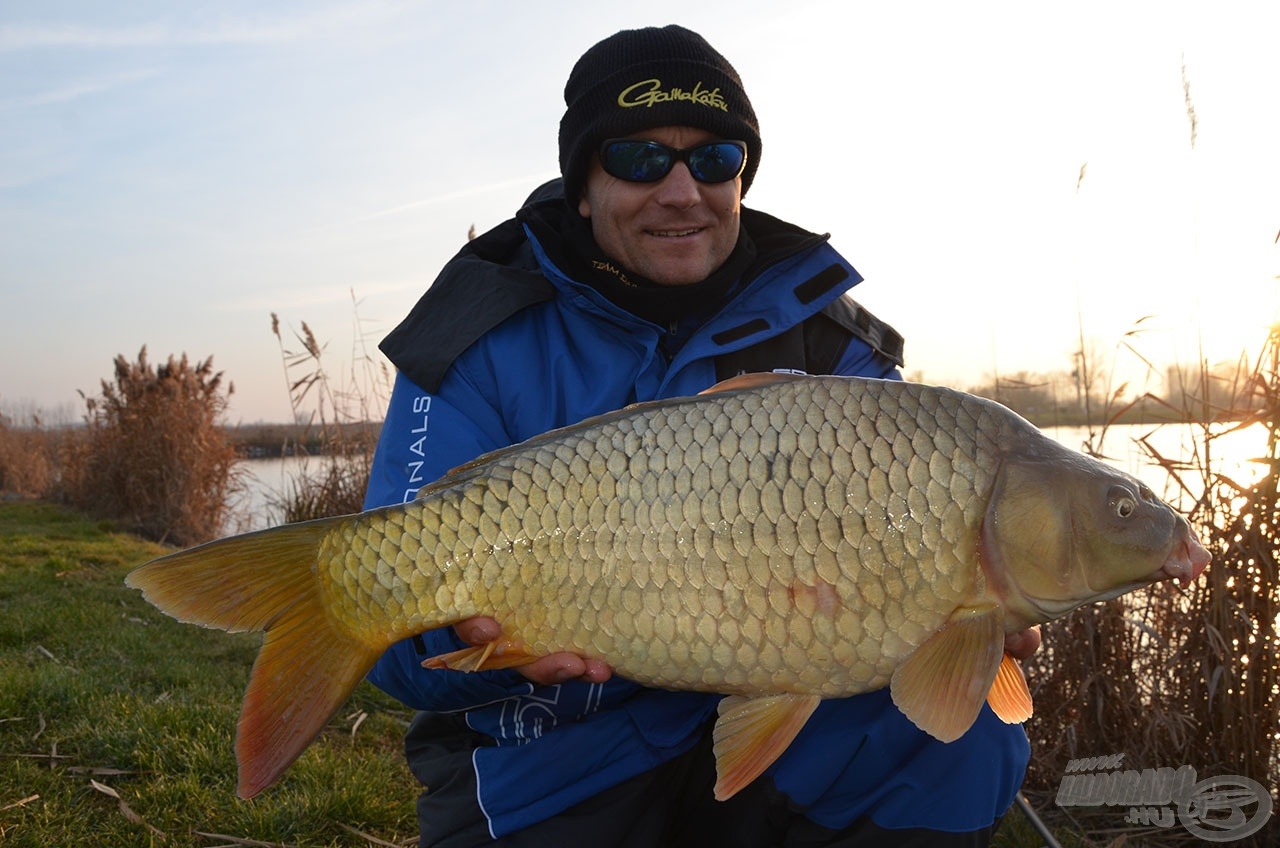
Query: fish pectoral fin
point(500, 653)
point(941, 687)
point(752, 732)
point(1009, 697)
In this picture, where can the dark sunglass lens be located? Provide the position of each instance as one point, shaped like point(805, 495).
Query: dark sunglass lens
point(716, 163)
point(637, 161)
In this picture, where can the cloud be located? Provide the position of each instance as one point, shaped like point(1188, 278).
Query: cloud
point(339, 19)
point(457, 195)
point(74, 91)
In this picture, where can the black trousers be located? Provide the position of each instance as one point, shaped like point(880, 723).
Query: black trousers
point(670, 806)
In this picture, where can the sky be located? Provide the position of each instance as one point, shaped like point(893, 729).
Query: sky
point(1009, 177)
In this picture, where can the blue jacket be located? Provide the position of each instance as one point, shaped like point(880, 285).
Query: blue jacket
point(505, 346)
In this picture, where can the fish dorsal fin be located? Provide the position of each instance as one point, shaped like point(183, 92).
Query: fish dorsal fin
point(1009, 696)
point(941, 687)
point(753, 732)
point(754, 380)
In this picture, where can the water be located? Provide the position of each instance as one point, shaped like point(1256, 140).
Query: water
point(1235, 453)
point(267, 479)
point(265, 482)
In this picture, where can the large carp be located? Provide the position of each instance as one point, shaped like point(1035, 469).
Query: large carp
point(778, 539)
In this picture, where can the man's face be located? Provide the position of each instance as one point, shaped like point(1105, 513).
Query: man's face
point(676, 231)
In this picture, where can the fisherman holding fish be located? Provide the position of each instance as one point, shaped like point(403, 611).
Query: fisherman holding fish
point(813, 588)
point(641, 276)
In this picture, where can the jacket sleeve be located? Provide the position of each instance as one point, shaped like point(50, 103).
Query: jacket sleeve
point(424, 435)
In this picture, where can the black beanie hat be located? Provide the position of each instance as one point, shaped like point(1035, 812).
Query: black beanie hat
point(638, 79)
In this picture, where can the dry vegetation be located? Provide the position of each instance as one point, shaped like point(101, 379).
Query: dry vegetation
point(153, 456)
point(334, 426)
point(1171, 678)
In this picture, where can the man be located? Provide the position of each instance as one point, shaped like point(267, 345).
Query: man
point(643, 278)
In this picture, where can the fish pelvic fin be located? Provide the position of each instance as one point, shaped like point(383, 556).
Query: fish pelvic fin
point(941, 687)
point(752, 732)
point(500, 653)
point(1009, 697)
point(308, 664)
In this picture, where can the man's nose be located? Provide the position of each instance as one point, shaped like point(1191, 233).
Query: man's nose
point(679, 188)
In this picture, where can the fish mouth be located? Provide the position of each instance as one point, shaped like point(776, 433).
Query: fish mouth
point(1186, 562)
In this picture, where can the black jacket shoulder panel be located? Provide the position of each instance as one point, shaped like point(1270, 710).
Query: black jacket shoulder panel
point(858, 322)
point(492, 278)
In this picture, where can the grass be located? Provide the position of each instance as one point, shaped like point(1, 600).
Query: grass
point(116, 723)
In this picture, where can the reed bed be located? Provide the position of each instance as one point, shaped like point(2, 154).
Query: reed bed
point(153, 455)
point(1172, 678)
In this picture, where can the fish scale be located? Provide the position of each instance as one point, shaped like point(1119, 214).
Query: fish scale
point(779, 539)
point(705, 549)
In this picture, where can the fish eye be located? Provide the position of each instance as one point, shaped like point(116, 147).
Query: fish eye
point(1124, 505)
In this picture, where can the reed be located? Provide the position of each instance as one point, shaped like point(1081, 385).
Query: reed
point(153, 455)
point(28, 457)
point(337, 438)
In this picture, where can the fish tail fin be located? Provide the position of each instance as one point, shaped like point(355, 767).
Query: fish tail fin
point(307, 666)
point(305, 671)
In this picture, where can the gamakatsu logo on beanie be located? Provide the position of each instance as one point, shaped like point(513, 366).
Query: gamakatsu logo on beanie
point(650, 92)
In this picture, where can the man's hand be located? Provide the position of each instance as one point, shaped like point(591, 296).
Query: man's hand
point(1022, 644)
point(545, 671)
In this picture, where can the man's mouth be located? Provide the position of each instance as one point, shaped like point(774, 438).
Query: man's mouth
point(691, 231)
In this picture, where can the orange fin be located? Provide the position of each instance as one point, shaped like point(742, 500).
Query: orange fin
point(942, 686)
point(753, 380)
point(500, 653)
point(303, 674)
point(753, 732)
point(1009, 696)
point(306, 667)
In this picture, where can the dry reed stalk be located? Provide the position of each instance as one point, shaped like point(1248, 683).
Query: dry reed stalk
point(336, 417)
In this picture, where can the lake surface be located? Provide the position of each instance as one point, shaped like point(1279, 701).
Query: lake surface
point(1233, 454)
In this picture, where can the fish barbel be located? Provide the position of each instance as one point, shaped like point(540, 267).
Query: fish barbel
point(778, 539)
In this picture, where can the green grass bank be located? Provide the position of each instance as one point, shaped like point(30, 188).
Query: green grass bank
point(117, 723)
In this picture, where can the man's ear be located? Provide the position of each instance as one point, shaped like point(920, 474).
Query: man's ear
point(584, 205)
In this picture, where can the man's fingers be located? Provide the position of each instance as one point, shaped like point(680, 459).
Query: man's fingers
point(1023, 644)
point(545, 671)
point(478, 630)
point(563, 667)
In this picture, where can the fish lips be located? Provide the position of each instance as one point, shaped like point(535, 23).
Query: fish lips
point(1186, 562)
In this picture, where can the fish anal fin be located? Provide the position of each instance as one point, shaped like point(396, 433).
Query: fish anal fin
point(941, 687)
point(1009, 697)
point(752, 732)
point(500, 653)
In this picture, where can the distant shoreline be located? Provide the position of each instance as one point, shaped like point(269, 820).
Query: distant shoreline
point(271, 441)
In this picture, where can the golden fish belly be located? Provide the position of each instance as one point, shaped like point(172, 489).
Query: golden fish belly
point(804, 538)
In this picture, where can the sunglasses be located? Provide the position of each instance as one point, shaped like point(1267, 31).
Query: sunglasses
point(639, 161)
